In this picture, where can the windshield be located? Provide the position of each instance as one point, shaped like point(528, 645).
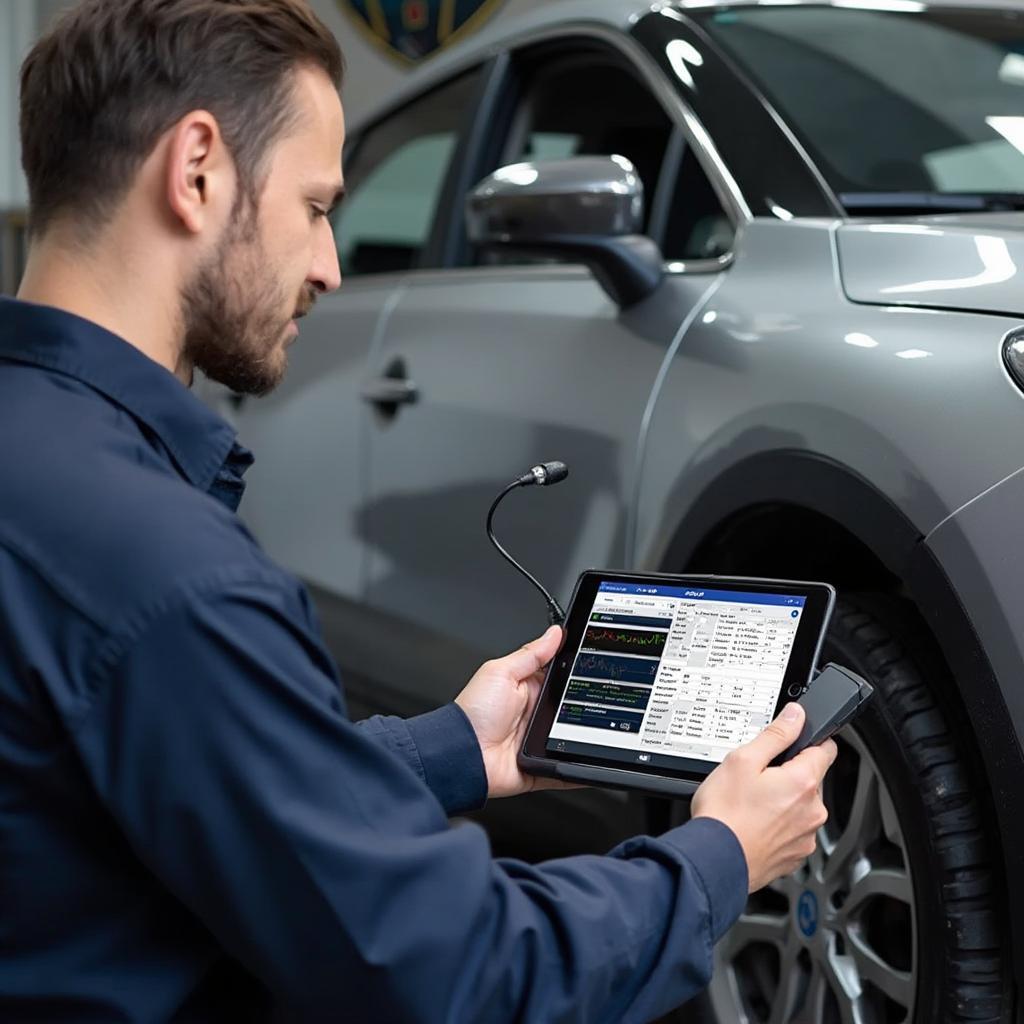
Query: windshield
point(901, 109)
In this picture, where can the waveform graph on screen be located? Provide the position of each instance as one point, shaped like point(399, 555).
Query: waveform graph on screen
point(607, 666)
point(618, 640)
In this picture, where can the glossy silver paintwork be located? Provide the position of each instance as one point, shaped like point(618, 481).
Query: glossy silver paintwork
point(765, 369)
point(522, 360)
point(962, 263)
point(583, 195)
point(980, 552)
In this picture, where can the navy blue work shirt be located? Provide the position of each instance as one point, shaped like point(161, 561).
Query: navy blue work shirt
point(191, 828)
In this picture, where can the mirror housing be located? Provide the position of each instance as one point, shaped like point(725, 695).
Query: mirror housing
point(586, 208)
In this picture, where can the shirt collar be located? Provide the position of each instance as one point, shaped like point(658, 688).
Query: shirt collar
point(201, 443)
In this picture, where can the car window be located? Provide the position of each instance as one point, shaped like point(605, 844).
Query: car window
point(697, 227)
point(923, 99)
point(394, 181)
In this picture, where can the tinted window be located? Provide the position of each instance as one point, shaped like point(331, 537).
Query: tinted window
point(697, 227)
point(923, 102)
point(394, 181)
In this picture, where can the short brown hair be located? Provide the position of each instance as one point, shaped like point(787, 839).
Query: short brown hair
point(111, 76)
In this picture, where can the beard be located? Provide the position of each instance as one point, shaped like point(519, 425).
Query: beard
point(233, 312)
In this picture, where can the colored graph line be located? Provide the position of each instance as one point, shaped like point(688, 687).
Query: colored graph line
point(610, 667)
point(632, 639)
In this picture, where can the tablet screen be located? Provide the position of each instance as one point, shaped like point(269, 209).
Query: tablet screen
point(674, 676)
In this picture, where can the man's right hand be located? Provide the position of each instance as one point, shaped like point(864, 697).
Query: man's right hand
point(774, 812)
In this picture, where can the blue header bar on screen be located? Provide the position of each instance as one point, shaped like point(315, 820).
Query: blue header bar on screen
point(703, 594)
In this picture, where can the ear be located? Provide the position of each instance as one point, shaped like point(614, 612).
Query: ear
point(200, 178)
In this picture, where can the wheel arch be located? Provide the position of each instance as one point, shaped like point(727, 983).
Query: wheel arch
point(794, 514)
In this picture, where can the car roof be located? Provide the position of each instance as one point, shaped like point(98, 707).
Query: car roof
point(499, 34)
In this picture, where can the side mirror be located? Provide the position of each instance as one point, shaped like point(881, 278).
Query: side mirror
point(587, 208)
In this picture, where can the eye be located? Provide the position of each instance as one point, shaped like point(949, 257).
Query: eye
point(317, 211)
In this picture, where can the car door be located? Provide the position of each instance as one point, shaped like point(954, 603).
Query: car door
point(511, 363)
point(306, 489)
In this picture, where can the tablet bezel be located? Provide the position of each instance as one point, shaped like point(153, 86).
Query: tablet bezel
point(534, 757)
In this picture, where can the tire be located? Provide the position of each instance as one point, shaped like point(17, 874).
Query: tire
point(896, 917)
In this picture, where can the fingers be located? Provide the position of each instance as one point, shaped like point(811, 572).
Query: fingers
point(532, 657)
point(815, 761)
point(782, 733)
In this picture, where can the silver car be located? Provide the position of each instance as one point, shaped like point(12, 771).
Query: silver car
point(754, 271)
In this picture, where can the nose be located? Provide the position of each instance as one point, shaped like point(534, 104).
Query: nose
point(325, 273)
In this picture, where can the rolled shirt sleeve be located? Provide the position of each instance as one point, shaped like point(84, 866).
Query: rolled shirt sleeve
point(320, 856)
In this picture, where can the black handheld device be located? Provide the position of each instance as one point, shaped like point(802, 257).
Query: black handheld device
point(660, 676)
point(834, 698)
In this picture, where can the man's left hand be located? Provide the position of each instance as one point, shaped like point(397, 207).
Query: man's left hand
point(499, 702)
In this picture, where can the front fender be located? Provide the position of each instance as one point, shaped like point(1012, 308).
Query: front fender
point(971, 599)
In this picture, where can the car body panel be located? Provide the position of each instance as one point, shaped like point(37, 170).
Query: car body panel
point(534, 363)
point(978, 552)
point(761, 372)
point(989, 579)
point(941, 262)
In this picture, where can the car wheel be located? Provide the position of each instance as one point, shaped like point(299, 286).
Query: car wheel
point(895, 917)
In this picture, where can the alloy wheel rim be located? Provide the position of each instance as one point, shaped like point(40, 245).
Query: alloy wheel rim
point(837, 940)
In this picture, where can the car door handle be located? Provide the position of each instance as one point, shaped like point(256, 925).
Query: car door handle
point(392, 389)
point(387, 391)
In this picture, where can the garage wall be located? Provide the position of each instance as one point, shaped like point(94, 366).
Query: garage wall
point(18, 27)
point(17, 32)
point(371, 76)
point(371, 73)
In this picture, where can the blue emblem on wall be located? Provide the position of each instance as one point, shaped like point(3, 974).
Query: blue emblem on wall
point(412, 29)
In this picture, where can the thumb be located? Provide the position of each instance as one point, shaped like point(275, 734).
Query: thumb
point(776, 737)
point(535, 655)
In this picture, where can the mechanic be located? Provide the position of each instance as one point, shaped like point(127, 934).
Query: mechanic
point(191, 828)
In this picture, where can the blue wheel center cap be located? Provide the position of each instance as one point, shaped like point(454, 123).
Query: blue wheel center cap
point(807, 913)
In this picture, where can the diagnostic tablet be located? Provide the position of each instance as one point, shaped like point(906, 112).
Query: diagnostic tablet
point(660, 676)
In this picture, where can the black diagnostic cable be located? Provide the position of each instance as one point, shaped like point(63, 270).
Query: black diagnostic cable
point(544, 475)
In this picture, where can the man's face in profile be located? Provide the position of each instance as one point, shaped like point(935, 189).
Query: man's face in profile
point(240, 307)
